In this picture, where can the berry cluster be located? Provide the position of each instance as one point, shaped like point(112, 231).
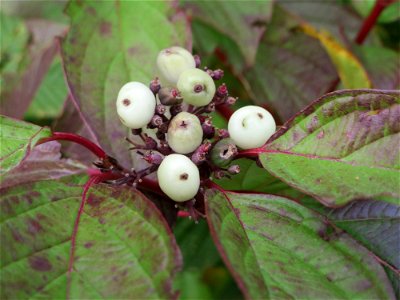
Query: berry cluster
point(178, 139)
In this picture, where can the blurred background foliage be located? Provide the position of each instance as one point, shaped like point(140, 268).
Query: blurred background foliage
point(280, 55)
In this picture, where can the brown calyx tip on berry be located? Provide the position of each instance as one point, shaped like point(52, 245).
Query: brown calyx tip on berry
point(184, 176)
point(126, 102)
point(198, 88)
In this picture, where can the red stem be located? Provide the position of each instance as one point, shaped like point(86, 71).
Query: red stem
point(86, 188)
point(250, 153)
point(183, 214)
point(65, 136)
point(370, 21)
point(225, 111)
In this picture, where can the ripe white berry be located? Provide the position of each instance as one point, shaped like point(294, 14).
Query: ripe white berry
point(185, 133)
point(251, 126)
point(178, 177)
point(171, 62)
point(135, 105)
point(196, 87)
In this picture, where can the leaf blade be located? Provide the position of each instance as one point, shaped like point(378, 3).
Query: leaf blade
point(17, 138)
point(291, 243)
point(116, 222)
point(351, 135)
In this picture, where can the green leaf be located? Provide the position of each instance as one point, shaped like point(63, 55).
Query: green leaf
point(204, 276)
point(382, 65)
point(290, 67)
point(243, 22)
point(343, 146)
point(124, 247)
point(48, 101)
point(109, 44)
point(16, 139)
point(279, 249)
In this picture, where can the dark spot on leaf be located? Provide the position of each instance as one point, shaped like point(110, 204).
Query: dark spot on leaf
point(105, 28)
point(34, 227)
point(363, 285)
point(330, 276)
point(90, 11)
point(88, 245)
point(320, 135)
point(102, 220)
point(39, 263)
point(16, 235)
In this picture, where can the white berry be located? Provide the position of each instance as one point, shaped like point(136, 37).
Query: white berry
point(196, 87)
point(178, 177)
point(251, 126)
point(185, 133)
point(135, 105)
point(171, 62)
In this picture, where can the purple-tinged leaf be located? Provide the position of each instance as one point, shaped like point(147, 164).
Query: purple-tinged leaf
point(20, 88)
point(16, 139)
point(244, 24)
point(343, 146)
point(44, 162)
point(72, 121)
point(109, 44)
point(277, 248)
point(337, 18)
point(124, 246)
point(290, 67)
point(375, 224)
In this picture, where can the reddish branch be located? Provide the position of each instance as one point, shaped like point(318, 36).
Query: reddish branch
point(65, 136)
point(370, 21)
point(92, 180)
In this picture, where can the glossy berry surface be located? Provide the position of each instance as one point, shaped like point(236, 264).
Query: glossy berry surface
point(178, 177)
point(251, 126)
point(171, 62)
point(185, 133)
point(196, 87)
point(135, 105)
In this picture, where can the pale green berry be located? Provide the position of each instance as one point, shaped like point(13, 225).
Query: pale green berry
point(196, 87)
point(178, 177)
point(185, 133)
point(171, 62)
point(135, 105)
point(251, 126)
